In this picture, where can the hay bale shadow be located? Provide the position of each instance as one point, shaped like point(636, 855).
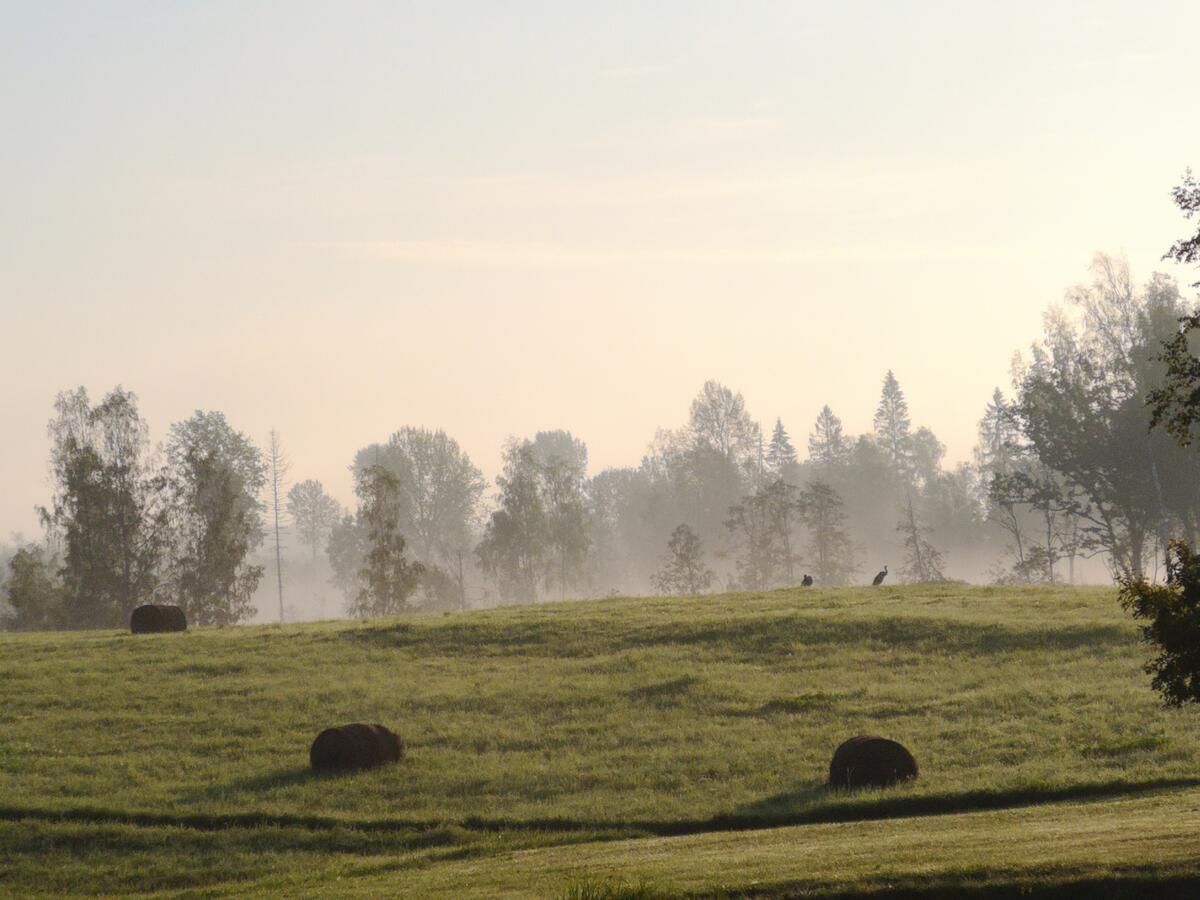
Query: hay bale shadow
point(664, 693)
point(256, 784)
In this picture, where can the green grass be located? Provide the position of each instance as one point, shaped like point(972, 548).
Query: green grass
point(616, 748)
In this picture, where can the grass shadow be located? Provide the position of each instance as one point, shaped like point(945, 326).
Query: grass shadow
point(799, 807)
point(1137, 884)
point(665, 693)
point(261, 784)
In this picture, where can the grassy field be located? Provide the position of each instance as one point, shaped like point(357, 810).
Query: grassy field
point(616, 748)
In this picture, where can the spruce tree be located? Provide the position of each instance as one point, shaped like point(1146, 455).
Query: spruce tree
point(893, 429)
point(827, 444)
point(997, 451)
point(781, 455)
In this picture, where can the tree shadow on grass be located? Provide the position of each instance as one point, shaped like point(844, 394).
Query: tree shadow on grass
point(802, 806)
point(1136, 884)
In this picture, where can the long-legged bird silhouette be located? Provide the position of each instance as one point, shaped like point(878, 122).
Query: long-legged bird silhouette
point(879, 578)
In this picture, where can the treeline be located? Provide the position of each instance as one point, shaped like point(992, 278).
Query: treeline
point(1067, 472)
point(1073, 467)
point(1066, 469)
point(127, 524)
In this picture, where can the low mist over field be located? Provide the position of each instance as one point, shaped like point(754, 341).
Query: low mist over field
point(1067, 483)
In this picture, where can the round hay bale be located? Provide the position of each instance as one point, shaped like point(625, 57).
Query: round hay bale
point(173, 618)
point(146, 619)
point(355, 746)
point(868, 760)
point(153, 618)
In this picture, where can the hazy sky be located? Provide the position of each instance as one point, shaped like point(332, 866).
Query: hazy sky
point(340, 218)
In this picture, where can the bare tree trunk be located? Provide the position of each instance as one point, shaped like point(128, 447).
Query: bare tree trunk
point(788, 567)
point(1050, 558)
point(279, 466)
point(1137, 549)
point(462, 585)
point(916, 537)
point(278, 552)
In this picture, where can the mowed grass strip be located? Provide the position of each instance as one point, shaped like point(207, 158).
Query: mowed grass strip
point(61, 859)
point(578, 721)
point(1094, 846)
point(1127, 847)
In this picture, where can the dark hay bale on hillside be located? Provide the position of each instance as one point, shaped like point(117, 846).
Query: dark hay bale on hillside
point(153, 618)
point(870, 761)
point(355, 746)
point(146, 620)
point(174, 618)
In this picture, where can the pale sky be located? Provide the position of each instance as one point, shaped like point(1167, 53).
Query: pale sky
point(341, 218)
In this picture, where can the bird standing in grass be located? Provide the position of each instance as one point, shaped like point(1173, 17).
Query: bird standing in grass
point(807, 582)
point(879, 578)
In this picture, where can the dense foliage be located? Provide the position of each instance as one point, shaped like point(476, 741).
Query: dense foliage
point(685, 571)
point(214, 478)
point(123, 530)
point(1173, 614)
point(387, 577)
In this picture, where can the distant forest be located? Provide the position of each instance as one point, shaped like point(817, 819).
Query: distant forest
point(1068, 471)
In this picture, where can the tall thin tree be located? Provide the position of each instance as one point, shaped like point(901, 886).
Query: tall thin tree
point(277, 463)
point(827, 444)
point(781, 455)
point(893, 429)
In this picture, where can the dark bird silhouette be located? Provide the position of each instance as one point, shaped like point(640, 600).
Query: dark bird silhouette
point(807, 582)
point(879, 578)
